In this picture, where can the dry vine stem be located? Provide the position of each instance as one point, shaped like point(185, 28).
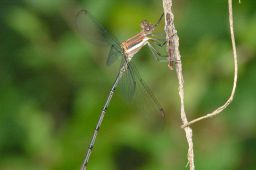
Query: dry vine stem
point(174, 55)
point(221, 108)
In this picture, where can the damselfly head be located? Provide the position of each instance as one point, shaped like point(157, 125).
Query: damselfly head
point(147, 27)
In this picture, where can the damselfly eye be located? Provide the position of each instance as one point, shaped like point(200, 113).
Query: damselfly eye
point(144, 24)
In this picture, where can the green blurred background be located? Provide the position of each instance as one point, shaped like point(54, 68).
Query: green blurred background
point(53, 85)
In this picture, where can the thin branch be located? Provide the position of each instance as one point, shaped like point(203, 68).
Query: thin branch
point(174, 55)
point(221, 108)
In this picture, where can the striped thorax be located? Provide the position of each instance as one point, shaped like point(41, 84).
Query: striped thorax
point(135, 43)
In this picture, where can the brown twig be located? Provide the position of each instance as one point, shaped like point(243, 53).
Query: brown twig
point(221, 108)
point(174, 55)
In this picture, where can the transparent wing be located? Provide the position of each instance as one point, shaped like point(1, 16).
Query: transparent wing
point(128, 83)
point(113, 55)
point(147, 91)
point(90, 29)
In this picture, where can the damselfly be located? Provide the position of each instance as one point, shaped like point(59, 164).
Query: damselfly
point(126, 50)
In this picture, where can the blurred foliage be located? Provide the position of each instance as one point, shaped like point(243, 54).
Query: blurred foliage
point(53, 85)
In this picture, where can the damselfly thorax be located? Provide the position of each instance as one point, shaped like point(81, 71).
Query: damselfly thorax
point(135, 43)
